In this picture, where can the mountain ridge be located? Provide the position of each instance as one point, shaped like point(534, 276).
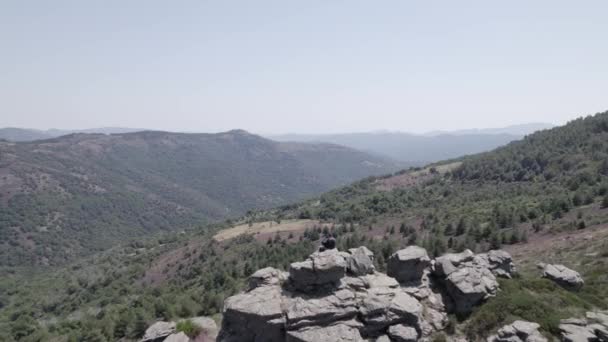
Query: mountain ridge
point(424, 148)
point(130, 184)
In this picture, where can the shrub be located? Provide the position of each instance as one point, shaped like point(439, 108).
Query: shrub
point(535, 300)
point(188, 328)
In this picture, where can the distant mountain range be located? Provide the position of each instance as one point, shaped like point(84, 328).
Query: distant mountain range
point(26, 134)
point(423, 148)
point(76, 194)
point(408, 148)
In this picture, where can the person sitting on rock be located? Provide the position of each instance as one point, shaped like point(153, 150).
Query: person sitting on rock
point(328, 242)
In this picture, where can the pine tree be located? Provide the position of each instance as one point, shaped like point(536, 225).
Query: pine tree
point(495, 241)
point(462, 227)
point(413, 239)
point(402, 229)
point(605, 202)
point(449, 229)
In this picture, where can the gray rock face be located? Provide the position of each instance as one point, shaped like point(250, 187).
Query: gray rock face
point(563, 276)
point(592, 328)
point(468, 281)
point(340, 332)
point(518, 331)
point(166, 331)
point(408, 265)
point(448, 263)
point(266, 276)
point(179, 337)
point(383, 307)
point(321, 268)
point(303, 311)
point(337, 296)
point(158, 331)
point(208, 326)
point(254, 316)
point(360, 261)
point(402, 333)
point(379, 280)
point(383, 338)
point(499, 262)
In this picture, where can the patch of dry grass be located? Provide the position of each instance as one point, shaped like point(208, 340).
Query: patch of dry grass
point(265, 228)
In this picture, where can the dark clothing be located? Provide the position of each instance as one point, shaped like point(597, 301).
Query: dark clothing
point(328, 243)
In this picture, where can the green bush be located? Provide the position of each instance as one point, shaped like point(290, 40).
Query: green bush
point(188, 328)
point(535, 300)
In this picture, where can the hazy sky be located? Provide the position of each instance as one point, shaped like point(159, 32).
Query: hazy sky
point(300, 66)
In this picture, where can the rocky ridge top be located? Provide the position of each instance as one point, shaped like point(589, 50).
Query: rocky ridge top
point(339, 296)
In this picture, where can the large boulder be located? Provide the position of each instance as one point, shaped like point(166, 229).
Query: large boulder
point(360, 261)
point(179, 337)
point(208, 326)
point(562, 275)
point(321, 269)
point(594, 327)
point(448, 263)
point(518, 331)
point(379, 280)
point(467, 281)
point(266, 276)
point(158, 331)
point(403, 333)
point(344, 331)
point(408, 265)
point(303, 311)
point(254, 316)
point(499, 262)
point(382, 307)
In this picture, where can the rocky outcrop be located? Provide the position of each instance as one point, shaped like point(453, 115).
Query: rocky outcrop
point(158, 331)
point(360, 261)
point(257, 314)
point(383, 307)
point(305, 310)
point(179, 337)
point(562, 275)
point(403, 333)
point(338, 296)
point(208, 326)
point(321, 269)
point(594, 327)
point(266, 276)
point(518, 331)
point(166, 331)
point(408, 265)
point(345, 331)
point(468, 279)
point(499, 262)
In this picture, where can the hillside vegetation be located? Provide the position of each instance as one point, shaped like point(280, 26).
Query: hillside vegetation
point(544, 198)
point(79, 194)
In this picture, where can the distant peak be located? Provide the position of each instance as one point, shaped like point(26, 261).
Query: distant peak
point(238, 132)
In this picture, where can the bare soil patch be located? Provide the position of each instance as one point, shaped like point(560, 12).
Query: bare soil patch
point(265, 228)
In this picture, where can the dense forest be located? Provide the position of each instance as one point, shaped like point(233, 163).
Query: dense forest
point(551, 182)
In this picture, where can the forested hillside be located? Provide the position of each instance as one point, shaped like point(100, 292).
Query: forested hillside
point(79, 194)
point(550, 189)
